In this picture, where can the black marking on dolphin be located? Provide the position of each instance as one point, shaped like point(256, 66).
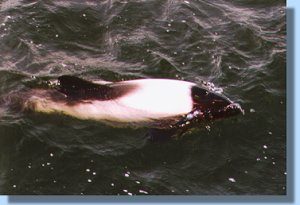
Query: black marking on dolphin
point(79, 89)
point(213, 105)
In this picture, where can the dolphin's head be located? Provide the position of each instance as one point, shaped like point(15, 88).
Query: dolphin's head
point(213, 105)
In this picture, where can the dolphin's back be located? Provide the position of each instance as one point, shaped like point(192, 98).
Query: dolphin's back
point(135, 101)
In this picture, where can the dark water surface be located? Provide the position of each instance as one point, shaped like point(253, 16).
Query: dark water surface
point(237, 45)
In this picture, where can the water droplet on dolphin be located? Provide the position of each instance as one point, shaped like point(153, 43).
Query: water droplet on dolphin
point(232, 179)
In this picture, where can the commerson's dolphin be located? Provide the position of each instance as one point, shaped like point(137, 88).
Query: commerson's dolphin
point(162, 104)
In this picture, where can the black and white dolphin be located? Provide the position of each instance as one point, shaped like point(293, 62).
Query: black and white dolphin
point(155, 103)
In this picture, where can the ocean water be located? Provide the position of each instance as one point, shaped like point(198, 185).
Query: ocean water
point(239, 46)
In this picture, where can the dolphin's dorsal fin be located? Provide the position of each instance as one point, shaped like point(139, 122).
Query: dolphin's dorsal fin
point(79, 89)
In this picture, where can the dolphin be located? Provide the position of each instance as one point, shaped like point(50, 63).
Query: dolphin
point(160, 104)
